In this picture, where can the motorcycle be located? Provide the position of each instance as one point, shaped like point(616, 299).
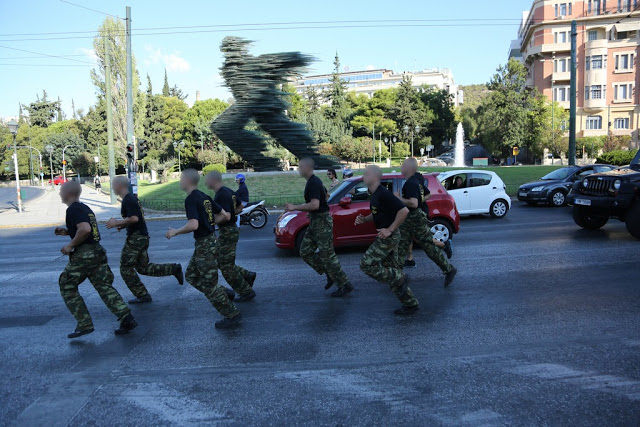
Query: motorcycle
point(254, 214)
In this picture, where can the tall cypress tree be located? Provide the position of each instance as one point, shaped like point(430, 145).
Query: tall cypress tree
point(165, 89)
point(339, 110)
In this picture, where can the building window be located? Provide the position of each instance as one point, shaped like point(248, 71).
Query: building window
point(625, 5)
point(560, 37)
point(623, 92)
point(562, 65)
point(593, 35)
point(621, 123)
point(594, 122)
point(624, 62)
point(593, 92)
point(596, 62)
point(561, 94)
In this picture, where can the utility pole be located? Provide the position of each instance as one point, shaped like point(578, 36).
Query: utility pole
point(112, 154)
point(573, 94)
point(132, 164)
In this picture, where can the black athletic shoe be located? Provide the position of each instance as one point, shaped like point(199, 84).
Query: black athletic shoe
point(404, 310)
point(448, 278)
point(409, 263)
point(227, 322)
point(447, 249)
point(177, 273)
point(329, 284)
point(251, 278)
point(230, 293)
point(128, 324)
point(79, 332)
point(342, 291)
point(141, 300)
point(246, 298)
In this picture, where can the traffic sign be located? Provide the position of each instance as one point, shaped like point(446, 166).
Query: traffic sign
point(516, 151)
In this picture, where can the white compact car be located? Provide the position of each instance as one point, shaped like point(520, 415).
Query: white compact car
point(477, 192)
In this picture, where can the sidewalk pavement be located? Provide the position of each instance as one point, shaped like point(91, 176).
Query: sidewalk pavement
point(48, 211)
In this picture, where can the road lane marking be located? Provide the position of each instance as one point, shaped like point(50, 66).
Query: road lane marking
point(586, 380)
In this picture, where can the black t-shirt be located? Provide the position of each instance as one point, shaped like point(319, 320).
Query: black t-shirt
point(131, 207)
point(228, 201)
point(201, 207)
point(384, 207)
point(316, 190)
point(425, 187)
point(78, 213)
point(243, 193)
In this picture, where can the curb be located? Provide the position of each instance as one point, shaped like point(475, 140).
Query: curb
point(57, 224)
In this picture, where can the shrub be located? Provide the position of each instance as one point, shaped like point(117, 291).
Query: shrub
point(215, 167)
point(617, 157)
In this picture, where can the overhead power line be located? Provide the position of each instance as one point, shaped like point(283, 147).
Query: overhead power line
point(46, 54)
point(47, 65)
point(88, 8)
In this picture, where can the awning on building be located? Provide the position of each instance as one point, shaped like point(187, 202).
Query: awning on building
point(627, 26)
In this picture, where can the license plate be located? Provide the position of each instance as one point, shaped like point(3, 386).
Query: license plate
point(522, 194)
point(583, 202)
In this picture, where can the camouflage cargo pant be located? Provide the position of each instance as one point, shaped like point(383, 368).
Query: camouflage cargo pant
point(89, 261)
point(380, 262)
point(202, 274)
point(416, 227)
point(226, 250)
point(319, 235)
point(135, 259)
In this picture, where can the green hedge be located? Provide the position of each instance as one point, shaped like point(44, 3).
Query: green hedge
point(215, 167)
point(617, 157)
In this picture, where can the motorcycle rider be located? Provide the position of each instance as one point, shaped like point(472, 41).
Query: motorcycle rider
point(242, 194)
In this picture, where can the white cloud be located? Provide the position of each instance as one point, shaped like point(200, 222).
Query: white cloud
point(171, 61)
point(90, 53)
point(370, 67)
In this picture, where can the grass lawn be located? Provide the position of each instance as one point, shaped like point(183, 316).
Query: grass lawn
point(279, 189)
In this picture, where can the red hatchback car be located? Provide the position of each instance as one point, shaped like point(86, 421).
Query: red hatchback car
point(351, 198)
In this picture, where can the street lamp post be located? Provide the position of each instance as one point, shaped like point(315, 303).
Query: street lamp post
point(64, 163)
point(13, 128)
point(177, 145)
point(49, 149)
point(391, 141)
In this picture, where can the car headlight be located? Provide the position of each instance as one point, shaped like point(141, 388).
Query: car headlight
point(616, 184)
point(538, 188)
point(585, 183)
point(285, 220)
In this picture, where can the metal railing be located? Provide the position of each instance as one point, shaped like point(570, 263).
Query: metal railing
point(271, 201)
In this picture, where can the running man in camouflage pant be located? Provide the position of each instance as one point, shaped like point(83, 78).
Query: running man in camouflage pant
point(416, 226)
point(381, 260)
point(87, 260)
point(319, 235)
point(202, 273)
point(134, 255)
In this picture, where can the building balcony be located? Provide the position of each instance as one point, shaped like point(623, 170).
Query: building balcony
point(547, 48)
point(564, 104)
point(597, 44)
point(595, 77)
point(528, 83)
point(561, 76)
point(592, 105)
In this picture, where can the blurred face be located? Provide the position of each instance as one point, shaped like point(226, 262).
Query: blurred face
point(63, 195)
point(331, 176)
point(184, 183)
point(212, 184)
point(404, 169)
point(303, 169)
point(369, 177)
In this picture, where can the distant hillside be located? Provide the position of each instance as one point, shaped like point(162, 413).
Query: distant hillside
point(474, 95)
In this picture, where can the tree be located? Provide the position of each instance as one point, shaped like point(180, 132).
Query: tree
point(503, 115)
point(165, 88)
point(195, 129)
point(401, 149)
point(443, 126)
point(112, 31)
point(372, 112)
point(408, 110)
point(42, 111)
point(338, 110)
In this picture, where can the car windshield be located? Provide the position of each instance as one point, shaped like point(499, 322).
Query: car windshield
point(334, 196)
point(558, 174)
point(635, 164)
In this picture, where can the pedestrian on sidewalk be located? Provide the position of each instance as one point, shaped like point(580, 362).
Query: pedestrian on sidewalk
point(135, 258)
point(202, 273)
point(97, 184)
point(87, 260)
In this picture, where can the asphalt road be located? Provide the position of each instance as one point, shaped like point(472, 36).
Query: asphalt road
point(540, 327)
point(8, 196)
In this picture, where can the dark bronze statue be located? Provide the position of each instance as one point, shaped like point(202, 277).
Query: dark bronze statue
point(254, 82)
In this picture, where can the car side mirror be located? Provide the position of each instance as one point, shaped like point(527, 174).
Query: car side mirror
point(345, 202)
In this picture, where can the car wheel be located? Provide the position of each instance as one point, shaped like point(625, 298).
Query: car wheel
point(499, 208)
point(558, 198)
point(633, 220)
point(299, 239)
point(586, 220)
point(442, 230)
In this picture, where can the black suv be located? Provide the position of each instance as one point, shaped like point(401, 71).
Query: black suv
point(614, 194)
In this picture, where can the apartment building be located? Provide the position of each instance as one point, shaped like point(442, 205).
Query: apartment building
point(608, 43)
point(370, 81)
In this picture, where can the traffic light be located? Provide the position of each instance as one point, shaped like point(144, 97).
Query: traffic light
point(143, 147)
point(130, 151)
point(64, 163)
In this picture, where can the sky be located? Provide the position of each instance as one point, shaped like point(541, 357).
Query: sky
point(403, 35)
